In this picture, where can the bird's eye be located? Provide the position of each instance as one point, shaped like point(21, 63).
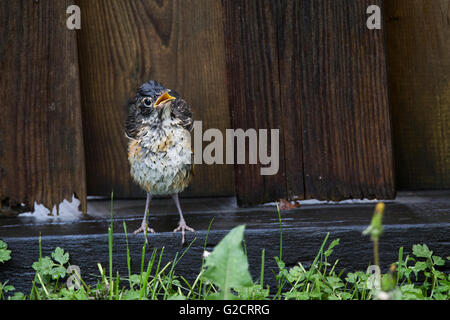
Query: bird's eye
point(147, 102)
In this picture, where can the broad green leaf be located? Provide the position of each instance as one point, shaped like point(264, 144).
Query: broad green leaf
point(335, 282)
point(296, 274)
point(135, 279)
point(59, 256)
point(410, 292)
point(438, 261)
point(17, 296)
point(316, 294)
point(351, 277)
point(222, 296)
point(420, 266)
point(44, 265)
point(58, 272)
point(5, 255)
point(438, 274)
point(131, 295)
point(8, 288)
point(3, 245)
point(345, 295)
point(444, 286)
point(80, 294)
point(227, 266)
point(422, 251)
point(254, 292)
point(439, 296)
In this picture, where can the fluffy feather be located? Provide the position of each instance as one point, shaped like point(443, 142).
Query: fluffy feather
point(159, 150)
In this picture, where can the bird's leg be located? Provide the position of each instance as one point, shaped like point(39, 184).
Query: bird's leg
point(182, 225)
point(144, 228)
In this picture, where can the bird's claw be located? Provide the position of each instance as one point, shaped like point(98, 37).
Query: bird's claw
point(142, 229)
point(183, 227)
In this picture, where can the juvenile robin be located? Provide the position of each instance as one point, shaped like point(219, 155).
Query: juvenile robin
point(159, 150)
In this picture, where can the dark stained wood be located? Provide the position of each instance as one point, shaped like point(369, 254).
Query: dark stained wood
point(334, 91)
point(290, 92)
point(254, 89)
point(418, 41)
point(427, 216)
point(314, 70)
point(355, 252)
point(41, 143)
point(124, 43)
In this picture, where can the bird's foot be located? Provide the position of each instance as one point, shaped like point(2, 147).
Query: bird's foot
point(183, 227)
point(142, 229)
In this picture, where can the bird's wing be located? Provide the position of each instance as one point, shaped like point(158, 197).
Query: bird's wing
point(182, 112)
point(131, 121)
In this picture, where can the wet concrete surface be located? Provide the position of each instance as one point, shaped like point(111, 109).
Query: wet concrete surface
point(414, 217)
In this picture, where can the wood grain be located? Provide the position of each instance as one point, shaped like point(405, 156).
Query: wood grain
point(314, 70)
point(124, 43)
point(334, 84)
point(288, 25)
point(254, 90)
point(418, 42)
point(41, 142)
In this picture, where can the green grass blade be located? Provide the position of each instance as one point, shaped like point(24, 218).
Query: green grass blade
point(128, 251)
point(155, 283)
point(110, 247)
point(261, 277)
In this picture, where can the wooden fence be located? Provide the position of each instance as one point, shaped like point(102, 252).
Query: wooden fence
point(41, 138)
point(310, 68)
point(418, 38)
point(317, 72)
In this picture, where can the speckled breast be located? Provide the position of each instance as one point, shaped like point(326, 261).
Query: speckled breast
point(161, 160)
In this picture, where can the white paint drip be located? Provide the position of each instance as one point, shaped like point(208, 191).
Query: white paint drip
point(316, 202)
point(68, 211)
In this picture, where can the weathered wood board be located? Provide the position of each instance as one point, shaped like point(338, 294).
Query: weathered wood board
point(417, 218)
point(309, 68)
point(418, 43)
point(315, 71)
point(125, 43)
point(254, 90)
point(41, 139)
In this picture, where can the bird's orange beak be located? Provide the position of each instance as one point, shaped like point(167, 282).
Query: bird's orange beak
point(163, 98)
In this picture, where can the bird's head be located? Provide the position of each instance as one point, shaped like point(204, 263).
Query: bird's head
point(146, 109)
point(153, 96)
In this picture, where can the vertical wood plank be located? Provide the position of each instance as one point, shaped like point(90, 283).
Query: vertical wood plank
point(124, 43)
point(254, 89)
point(418, 40)
point(41, 142)
point(291, 88)
point(322, 75)
point(334, 84)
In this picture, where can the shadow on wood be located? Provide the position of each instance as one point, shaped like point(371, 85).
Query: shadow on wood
point(418, 40)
